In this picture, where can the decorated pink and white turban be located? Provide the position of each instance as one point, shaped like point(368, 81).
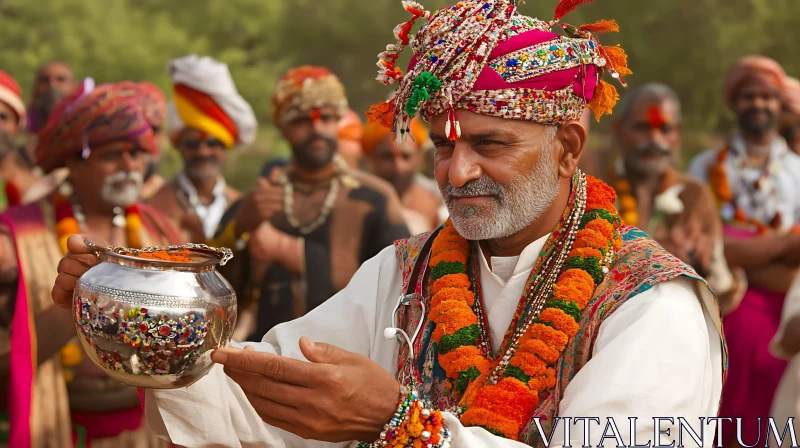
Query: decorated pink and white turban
point(485, 57)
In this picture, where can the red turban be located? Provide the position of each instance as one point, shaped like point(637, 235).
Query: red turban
point(753, 68)
point(94, 116)
point(154, 104)
point(11, 94)
point(305, 88)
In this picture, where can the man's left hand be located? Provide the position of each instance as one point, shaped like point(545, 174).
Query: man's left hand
point(338, 396)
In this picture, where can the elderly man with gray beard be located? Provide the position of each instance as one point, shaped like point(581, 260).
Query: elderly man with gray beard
point(676, 210)
point(531, 304)
point(54, 392)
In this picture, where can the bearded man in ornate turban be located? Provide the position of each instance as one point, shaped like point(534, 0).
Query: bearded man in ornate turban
point(530, 304)
point(208, 118)
point(755, 179)
point(101, 135)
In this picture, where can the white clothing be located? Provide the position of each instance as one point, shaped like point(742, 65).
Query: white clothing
point(659, 354)
point(211, 214)
point(786, 402)
point(778, 195)
point(214, 79)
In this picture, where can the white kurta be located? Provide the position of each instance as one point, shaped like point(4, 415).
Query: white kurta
point(657, 355)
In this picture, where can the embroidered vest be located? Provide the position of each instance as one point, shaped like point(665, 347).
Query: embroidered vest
point(641, 264)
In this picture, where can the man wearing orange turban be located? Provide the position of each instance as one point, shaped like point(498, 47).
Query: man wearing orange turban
point(207, 118)
point(311, 221)
point(755, 178)
point(399, 163)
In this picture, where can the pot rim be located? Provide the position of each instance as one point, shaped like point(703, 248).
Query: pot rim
point(216, 256)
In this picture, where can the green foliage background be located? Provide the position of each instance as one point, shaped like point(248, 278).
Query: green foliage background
point(689, 44)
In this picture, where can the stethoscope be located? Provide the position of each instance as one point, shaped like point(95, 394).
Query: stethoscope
point(408, 299)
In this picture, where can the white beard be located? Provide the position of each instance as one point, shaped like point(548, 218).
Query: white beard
point(122, 195)
point(517, 205)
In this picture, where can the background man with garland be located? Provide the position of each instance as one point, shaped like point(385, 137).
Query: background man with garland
point(755, 178)
point(308, 224)
point(677, 210)
point(101, 135)
point(594, 310)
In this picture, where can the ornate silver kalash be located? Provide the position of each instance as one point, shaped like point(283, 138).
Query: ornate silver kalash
point(151, 317)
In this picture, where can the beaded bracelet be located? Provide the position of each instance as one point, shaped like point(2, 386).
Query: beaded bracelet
point(413, 425)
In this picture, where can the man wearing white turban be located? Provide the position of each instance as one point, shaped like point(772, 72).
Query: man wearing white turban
point(206, 118)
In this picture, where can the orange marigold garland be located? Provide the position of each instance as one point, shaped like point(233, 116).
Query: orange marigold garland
point(505, 407)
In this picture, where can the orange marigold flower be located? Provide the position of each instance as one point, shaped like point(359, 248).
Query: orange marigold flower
point(479, 362)
point(452, 320)
point(602, 227)
point(445, 294)
point(590, 238)
point(473, 389)
point(528, 361)
point(468, 351)
point(547, 354)
point(549, 336)
point(617, 243)
point(510, 397)
point(574, 285)
point(449, 255)
point(442, 243)
point(68, 226)
point(547, 381)
point(586, 252)
point(630, 218)
point(562, 321)
point(491, 419)
point(451, 281)
point(598, 194)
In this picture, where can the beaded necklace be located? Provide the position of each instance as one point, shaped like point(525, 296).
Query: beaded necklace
point(500, 393)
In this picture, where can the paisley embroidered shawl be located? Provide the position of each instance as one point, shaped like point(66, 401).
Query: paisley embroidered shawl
point(641, 264)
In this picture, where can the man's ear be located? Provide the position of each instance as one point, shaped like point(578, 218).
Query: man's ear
point(572, 137)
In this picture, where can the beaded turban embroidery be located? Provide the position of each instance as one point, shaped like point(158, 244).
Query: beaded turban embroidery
point(94, 116)
point(485, 57)
point(303, 89)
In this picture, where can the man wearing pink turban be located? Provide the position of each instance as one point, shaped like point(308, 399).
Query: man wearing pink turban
point(755, 178)
point(790, 124)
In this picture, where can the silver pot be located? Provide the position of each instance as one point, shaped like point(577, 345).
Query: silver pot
point(154, 323)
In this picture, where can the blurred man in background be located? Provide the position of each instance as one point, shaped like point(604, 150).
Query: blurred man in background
point(351, 130)
point(310, 224)
point(399, 163)
point(211, 118)
point(790, 123)
point(16, 172)
point(55, 393)
point(678, 211)
point(755, 178)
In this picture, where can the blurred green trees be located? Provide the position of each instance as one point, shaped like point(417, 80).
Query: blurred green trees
point(689, 44)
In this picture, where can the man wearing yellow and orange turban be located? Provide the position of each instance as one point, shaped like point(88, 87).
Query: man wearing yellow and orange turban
point(399, 163)
point(207, 117)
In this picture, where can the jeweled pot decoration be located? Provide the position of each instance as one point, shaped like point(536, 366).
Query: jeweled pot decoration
point(151, 317)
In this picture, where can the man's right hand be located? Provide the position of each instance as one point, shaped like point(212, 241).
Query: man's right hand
point(79, 259)
point(261, 204)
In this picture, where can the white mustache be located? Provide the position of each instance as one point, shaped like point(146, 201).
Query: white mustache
point(122, 176)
